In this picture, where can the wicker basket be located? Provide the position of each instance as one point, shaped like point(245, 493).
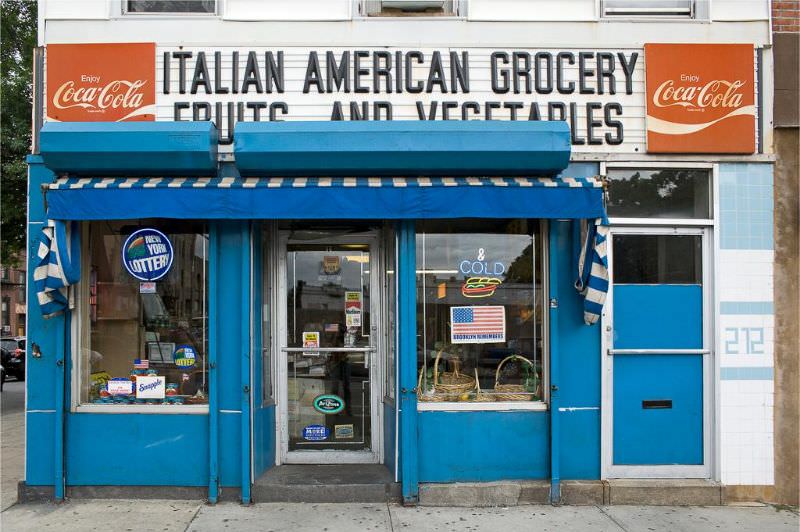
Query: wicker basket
point(431, 395)
point(511, 392)
point(480, 395)
point(451, 384)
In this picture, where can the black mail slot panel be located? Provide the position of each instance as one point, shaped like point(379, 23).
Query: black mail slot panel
point(657, 403)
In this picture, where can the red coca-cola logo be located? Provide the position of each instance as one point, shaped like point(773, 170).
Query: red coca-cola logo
point(700, 98)
point(101, 82)
point(717, 93)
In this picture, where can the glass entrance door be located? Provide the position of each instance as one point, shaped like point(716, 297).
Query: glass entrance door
point(329, 361)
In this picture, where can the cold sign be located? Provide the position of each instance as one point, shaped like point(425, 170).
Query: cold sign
point(147, 254)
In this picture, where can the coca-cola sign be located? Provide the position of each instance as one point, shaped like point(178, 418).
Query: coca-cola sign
point(101, 82)
point(700, 98)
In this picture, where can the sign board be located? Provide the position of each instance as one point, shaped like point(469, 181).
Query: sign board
point(316, 433)
point(352, 309)
point(478, 324)
point(101, 82)
point(147, 254)
point(311, 340)
point(185, 357)
point(150, 387)
point(120, 387)
point(328, 404)
point(700, 98)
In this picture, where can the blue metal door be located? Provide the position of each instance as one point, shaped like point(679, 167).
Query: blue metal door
point(657, 352)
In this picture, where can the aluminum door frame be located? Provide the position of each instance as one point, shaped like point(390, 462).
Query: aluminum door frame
point(607, 468)
point(279, 358)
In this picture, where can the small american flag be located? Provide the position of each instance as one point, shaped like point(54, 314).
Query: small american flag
point(477, 325)
point(141, 364)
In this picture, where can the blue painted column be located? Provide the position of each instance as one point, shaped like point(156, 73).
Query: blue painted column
point(407, 317)
point(554, 269)
point(213, 348)
point(246, 343)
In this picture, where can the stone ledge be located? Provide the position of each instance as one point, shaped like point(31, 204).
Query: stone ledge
point(665, 492)
point(485, 494)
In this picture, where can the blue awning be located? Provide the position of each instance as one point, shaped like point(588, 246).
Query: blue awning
point(130, 148)
point(402, 148)
point(235, 197)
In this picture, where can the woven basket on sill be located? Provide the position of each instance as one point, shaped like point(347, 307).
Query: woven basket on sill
point(511, 392)
point(480, 395)
point(430, 395)
point(451, 384)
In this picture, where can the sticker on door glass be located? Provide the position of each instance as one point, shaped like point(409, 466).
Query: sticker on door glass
point(328, 404)
point(147, 254)
point(478, 324)
point(352, 309)
point(343, 432)
point(331, 264)
point(311, 341)
point(184, 357)
point(316, 433)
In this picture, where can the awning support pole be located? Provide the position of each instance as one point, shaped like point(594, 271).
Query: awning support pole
point(407, 322)
point(554, 268)
point(213, 392)
point(245, 359)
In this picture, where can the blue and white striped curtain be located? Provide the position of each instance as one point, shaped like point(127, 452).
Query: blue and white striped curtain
point(592, 280)
point(57, 266)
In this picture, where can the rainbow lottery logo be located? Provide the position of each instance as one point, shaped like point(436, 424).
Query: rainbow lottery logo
point(184, 357)
point(147, 254)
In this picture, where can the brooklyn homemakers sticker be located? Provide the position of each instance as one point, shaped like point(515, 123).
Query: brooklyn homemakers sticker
point(184, 357)
point(328, 404)
point(477, 324)
point(147, 254)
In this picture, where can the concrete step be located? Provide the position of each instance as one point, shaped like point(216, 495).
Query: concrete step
point(665, 492)
point(327, 483)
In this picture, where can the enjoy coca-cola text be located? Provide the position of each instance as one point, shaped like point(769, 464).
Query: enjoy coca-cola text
point(718, 93)
point(117, 94)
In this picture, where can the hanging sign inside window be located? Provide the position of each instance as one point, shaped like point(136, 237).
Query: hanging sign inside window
point(147, 254)
point(481, 266)
point(352, 309)
point(185, 357)
point(478, 325)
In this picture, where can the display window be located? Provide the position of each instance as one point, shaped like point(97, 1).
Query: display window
point(480, 294)
point(142, 336)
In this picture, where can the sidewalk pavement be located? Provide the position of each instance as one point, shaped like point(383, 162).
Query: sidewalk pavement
point(167, 516)
point(12, 434)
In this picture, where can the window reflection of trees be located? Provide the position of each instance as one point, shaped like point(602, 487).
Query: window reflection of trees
point(674, 193)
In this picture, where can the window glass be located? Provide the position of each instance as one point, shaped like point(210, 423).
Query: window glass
point(479, 311)
point(155, 332)
point(171, 6)
point(651, 259)
point(674, 8)
point(659, 193)
point(410, 8)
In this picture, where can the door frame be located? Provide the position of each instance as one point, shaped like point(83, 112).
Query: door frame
point(607, 467)
point(279, 358)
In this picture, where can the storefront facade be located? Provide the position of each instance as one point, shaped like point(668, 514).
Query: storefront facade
point(316, 239)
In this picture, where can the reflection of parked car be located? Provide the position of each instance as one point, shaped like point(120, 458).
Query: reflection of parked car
point(13, 357)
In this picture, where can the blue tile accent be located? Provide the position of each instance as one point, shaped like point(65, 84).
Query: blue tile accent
point(746, 206)
point(746, 307)
point(759, 373)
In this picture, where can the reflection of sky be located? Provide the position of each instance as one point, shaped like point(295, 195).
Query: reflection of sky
point(307, 266)
point(447, 251)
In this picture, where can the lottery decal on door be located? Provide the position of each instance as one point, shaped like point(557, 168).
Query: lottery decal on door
point(478, 324)
point(352, 309)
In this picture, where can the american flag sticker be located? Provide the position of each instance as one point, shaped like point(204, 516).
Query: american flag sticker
point(477, 325)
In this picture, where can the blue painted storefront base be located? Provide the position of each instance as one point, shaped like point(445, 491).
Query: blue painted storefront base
point(137, 450)
point(483, 446)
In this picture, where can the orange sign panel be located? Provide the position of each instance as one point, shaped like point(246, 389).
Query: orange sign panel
point(700, 98)
point(101, 82)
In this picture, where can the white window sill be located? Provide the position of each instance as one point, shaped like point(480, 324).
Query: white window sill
point(141, 409)
point(496, 406)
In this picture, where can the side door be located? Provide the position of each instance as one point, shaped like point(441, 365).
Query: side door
point(657, 367)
